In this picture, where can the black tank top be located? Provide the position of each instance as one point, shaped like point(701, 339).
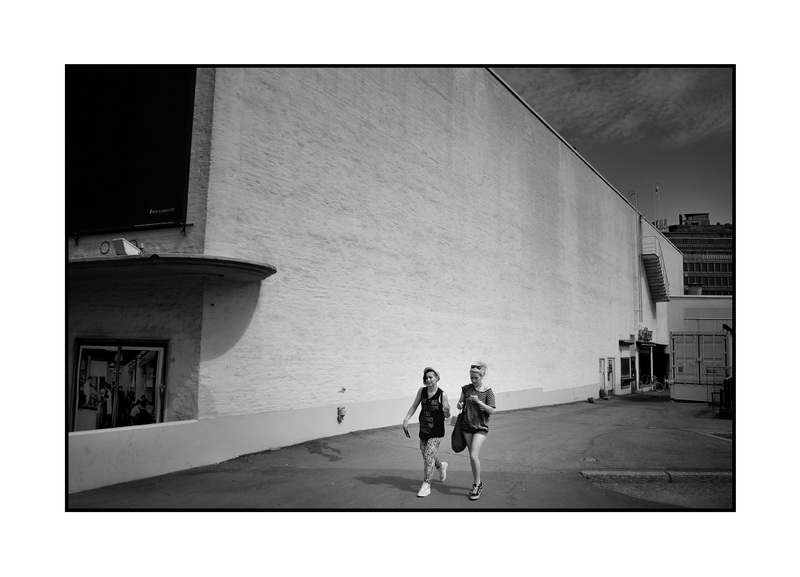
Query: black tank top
point(431, 416)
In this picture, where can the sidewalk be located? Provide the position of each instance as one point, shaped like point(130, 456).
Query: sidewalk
point(626, 453)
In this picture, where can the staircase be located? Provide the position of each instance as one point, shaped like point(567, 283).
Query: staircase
point(655, 270)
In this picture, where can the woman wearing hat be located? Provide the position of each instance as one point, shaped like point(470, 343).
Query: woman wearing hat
point(478, 403)
point(435, 408)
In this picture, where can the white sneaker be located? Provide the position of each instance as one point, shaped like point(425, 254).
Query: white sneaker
point(443, 472)
point(425, 490)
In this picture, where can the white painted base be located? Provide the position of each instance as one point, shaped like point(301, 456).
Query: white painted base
point(701, 393)
point(110, 456)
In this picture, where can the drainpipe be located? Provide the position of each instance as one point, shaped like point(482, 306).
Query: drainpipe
point(639, 266)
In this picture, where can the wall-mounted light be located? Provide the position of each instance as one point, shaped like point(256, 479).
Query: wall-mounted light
point(125, 247)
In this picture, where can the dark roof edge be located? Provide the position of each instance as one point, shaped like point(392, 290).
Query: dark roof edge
point(176, 263)
point(572, 148)
point(561, 138)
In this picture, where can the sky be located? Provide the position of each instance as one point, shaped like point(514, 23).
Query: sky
point(640, 128)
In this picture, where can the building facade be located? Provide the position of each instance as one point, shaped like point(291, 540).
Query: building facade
point(701, 346)
point(707, 252)
point(335, 232)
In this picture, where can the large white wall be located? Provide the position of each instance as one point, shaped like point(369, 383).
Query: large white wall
point(700, 313)
point(416, 217)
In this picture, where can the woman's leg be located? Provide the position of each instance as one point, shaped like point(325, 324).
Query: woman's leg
point(437, 442)
point(474, 443)
point(428, 448)
point(468, 437)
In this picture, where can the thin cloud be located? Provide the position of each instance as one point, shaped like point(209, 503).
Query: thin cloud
point(646, 106)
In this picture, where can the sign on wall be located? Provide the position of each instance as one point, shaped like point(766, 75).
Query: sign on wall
point(128, 138)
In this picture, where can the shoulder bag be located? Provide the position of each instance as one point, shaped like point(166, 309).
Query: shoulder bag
point(457, 440)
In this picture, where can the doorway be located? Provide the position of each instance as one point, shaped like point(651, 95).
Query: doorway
point(645, 363)
point(699, 359)
point(601, 380)
point(611, 378)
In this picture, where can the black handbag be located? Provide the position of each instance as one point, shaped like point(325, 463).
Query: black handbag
point(457, 440)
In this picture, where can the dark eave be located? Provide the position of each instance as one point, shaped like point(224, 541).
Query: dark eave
point(168, 265)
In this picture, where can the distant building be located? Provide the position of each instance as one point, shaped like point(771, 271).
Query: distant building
point(707, 254)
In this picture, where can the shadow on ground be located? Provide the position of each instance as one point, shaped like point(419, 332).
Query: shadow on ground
point(648, 397)
point(323, 449)
point(405, 484)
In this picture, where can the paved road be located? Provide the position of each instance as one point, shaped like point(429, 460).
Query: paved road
point(639, 447)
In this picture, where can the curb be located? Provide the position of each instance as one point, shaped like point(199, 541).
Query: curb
point(700, 476)
point(659, 476)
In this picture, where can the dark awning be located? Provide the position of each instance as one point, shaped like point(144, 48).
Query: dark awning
point(169, 265)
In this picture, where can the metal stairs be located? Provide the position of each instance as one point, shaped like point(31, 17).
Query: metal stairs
point(655, 270)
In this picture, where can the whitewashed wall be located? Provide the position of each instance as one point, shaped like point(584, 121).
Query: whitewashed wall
point(416, 217)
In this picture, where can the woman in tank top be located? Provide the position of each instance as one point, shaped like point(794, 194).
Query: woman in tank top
point(435, 408)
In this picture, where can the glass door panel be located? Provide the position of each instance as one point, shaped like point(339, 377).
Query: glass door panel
point(118, 385)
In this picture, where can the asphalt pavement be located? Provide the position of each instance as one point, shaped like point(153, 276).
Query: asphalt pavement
point(633, 452)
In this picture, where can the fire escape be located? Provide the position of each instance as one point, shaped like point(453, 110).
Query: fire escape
point(656, 272)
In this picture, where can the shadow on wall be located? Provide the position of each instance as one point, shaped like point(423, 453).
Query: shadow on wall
point(228, 309)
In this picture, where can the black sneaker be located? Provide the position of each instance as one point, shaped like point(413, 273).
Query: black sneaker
point(475, 494)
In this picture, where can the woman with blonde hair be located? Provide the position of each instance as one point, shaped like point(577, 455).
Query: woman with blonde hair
point(478, 403)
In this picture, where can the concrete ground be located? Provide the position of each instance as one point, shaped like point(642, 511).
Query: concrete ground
point(635, 452)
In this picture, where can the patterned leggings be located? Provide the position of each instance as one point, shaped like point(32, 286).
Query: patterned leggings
point(429, 448)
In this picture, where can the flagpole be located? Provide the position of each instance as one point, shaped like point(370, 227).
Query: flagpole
point(654, 203)
point(658, 204)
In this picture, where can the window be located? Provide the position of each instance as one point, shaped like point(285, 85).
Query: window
point(128, 137)
point(117, 384)
point(627, 367)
